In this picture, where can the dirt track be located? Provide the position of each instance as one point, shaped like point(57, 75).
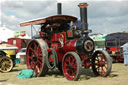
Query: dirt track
point(118, 76)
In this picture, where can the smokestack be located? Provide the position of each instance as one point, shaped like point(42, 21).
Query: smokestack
point(59, 8)
point(83, 15)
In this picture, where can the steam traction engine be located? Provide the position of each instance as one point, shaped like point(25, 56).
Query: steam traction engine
point(64, 46)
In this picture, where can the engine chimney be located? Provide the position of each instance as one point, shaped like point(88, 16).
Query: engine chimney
point(59, 8)
point(83, 15)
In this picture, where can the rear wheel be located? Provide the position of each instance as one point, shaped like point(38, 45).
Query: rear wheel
point(101, 63)
point(36, 56)
point(72, 66)
point(6, 64)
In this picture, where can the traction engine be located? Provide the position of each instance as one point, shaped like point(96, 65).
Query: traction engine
point(63, 45)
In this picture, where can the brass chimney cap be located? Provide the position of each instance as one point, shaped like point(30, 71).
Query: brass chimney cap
point(83, 5)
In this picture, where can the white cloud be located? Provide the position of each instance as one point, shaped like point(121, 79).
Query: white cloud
point(103, 16)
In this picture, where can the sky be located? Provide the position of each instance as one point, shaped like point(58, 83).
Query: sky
point(104, 16)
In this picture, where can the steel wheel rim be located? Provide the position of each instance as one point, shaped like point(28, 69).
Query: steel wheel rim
point(6, 65)
point(70, 67)
point(101, 64)
point(34, 57)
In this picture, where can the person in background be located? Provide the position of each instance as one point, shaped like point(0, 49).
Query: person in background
point(125, 53)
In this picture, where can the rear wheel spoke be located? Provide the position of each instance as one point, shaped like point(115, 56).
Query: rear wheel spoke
point(35, 56)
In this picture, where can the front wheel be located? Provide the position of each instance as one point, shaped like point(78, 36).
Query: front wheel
point(6, 64)
point(71, 66)
point(101, 63)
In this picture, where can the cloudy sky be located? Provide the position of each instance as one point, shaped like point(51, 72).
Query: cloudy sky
point(104, 16)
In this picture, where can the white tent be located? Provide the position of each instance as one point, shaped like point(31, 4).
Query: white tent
point(5, 33)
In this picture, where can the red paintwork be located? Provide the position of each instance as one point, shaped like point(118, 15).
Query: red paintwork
point(67, 47)
point(22, 33)
point(58, 36)
point(70, 45)
point(118, 58)
point(86, 63)
point(49, 50)
point(34, 62)
point(62, 49)
point(69, 34)
point(115, 56)
point(42, 34)
point(70, 70)
point(101, 65)
point(114, 49)
point(20, 43)
point(50, 58)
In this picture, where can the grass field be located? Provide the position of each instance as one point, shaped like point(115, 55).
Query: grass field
point(118, 76)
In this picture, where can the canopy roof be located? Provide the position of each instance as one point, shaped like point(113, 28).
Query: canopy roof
point(116, 39)
point(117, 36)
point(51, 19)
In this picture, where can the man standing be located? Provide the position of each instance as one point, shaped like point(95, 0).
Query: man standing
point(125, 52)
